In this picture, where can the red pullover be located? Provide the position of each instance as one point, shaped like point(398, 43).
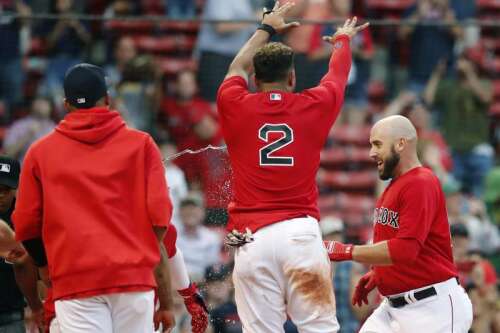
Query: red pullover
point(93, 190)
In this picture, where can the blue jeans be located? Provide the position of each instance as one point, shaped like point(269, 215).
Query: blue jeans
point(470, 168)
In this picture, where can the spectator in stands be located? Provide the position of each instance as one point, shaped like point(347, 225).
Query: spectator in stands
point(137, 93)
point(124, 52)
point(201, 246)
point(180, 9)
point(11, 72)
point(362, 51)
point(176, 181)
point(429, 44)
point(66, 41)
point(310, 62)
point(492, 195)
point(121, 8)
point(218, 43)
point(219, 292)
point(478, 277)
point(192, 124)
point(345, 278)
point(483, 236)
point(23, 132)
point(463, 107)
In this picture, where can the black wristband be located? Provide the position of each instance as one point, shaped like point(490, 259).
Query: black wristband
point(267, 28)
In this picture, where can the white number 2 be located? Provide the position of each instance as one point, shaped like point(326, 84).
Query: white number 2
point(265, 153)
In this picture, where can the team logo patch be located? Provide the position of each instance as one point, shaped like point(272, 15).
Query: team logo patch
point(4, 167)
point(387, 217)
point(275, 97)
point(337, 45)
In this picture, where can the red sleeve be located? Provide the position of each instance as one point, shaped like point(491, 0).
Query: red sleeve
point(419, 201)
point(231, 89)
point(490, 276)
point(158, 201)
point(170, 241)
point(27, 216)
point(332, 85)
point(403, 251)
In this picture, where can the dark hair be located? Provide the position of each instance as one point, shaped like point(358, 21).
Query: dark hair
point(273, 62)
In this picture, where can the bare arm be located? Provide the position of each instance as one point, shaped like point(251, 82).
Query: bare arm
point(430, 90)
point(242, 63)
point(373, 254)
point(26, 275)
point(162, 273)
point(485, 94)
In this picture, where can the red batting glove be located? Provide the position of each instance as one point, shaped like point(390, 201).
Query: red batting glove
point(366, 284)
point(196, 307)
point(338, 251)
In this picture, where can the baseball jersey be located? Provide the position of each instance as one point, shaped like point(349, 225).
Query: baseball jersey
point(93, 190)
point(413, 207)
point(274, 140)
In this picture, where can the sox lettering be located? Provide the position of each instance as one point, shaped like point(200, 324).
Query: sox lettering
point(386, 216)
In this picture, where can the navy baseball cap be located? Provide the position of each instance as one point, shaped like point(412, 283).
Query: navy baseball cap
point(9, 171)
point(84, 85)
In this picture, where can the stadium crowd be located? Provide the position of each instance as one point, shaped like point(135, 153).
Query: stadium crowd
point(441, 71)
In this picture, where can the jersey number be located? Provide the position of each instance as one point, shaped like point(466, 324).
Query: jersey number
point(265, 153)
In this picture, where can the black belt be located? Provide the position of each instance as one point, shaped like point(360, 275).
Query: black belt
point(400, 301)
point(10, 317)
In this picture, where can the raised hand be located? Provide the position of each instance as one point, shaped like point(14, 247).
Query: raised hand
point(276, 17)
point(349, 28)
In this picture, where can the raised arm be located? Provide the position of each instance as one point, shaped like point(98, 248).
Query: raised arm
point(272, 22)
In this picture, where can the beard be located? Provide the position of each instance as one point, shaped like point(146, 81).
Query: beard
point(390, 165)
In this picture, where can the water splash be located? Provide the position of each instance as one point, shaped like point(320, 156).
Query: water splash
point(190, 151)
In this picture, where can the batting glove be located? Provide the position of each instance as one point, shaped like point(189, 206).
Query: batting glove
point(196, 307)
point(338, 251)
point(237, 239)
point(366, 284)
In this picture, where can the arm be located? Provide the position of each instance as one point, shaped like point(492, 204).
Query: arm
point(399, 104)
point(26, 275)
point(242, 63)
point(484, 93)
point(81, 31)
point(431, 88)
point(162, 273)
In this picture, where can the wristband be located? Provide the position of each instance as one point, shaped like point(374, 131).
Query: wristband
point(267, 28)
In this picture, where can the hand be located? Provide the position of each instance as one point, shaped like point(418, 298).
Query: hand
point(423, 9)
point(196, 307)
point(166, 319)
point(366, 284)
point(237, 239)
point(276, 17)
point(338, 251)
point(16, 255)
point(349, 28)
point(465, 66)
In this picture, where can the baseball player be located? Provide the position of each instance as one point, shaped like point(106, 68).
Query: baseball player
point(92, 209)
point(411, 252)
point(193, 300)
point(274, 138)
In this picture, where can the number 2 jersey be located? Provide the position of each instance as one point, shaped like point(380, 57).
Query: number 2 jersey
point(274, 140)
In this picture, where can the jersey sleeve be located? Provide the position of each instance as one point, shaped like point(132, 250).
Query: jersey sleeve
point(170, 240)
point(418, 204)
point(158, 202)
point(332, 86)
point(231, 90)
point(27, 216)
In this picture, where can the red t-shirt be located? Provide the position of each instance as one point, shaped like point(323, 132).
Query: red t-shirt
point(274, 141)
point(93, 190)
point(413, 207)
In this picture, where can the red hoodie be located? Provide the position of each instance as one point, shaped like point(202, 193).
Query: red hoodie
point(93, 190)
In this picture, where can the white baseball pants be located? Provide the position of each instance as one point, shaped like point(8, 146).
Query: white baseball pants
point(114, 313)
point(448, 311)
point(285, 270)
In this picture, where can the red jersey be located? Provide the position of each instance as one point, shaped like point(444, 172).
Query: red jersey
point(413, 207)
point(274, 141)
point(93, 190)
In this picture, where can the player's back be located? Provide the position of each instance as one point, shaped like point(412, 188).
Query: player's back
point(274, 142)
